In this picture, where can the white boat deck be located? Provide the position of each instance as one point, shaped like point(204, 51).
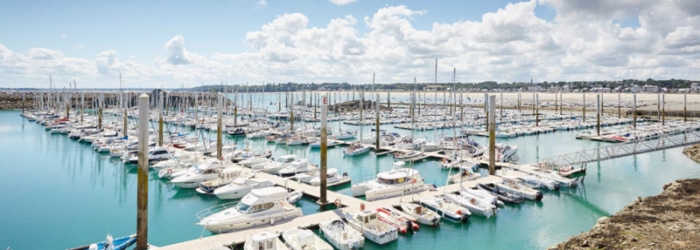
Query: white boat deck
point(312, 220)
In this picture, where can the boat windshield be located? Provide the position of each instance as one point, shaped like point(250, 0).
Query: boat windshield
point(284, 159)
point(242, 207)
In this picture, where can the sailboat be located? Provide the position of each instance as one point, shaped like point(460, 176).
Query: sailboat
point(357, 148)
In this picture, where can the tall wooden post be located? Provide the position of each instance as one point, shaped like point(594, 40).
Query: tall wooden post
point(634, 111)
point(685, 108)
point(584, 107)
point(501, 100)
point(142, 192)
point(324, 151)
point(663, 109)
point(376, 122)
point(160, 118)
point(100, 101)
point(291, 114)
point(313, 103)
point(534, 101)
point(492, 135)
point(461, 106)
point(68, 101)
point(82, 105)
point(388, 99)
point(597, 114)
point(602, 100)
point(658, 107)
point(561, 103)
point(619, 106)
point(219, 127)
point(556, 103)
point(537, 110)
point(486, 111)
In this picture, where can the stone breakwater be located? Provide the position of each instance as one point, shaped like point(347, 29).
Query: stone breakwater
point(13, 100)
point(693, 152)
point(670, 220)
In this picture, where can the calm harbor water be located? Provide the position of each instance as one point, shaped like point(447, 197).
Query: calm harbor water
point(59, 193)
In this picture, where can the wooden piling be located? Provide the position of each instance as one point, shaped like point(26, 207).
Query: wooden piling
point(142, 188)
point(634, 111)
point(219, 127)
point(597, 113)
point(492, 136)
point(324, 152)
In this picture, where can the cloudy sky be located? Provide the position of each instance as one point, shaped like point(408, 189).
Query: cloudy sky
point(175, 43)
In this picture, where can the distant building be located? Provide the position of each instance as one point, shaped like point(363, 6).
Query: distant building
point(565, 89)
point(695, 87)
point(433, 88)
point(535, 88)
point(635, 88)
point(650, 89)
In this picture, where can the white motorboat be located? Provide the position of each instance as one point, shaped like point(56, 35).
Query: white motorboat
point(469, 201)
point(241, 187)
point(293, 169)
point(355, 149)
point(397, 181)
point(282, 162)
point(206, 171)
point(341, 235)
point(259, 207)
point(332, 178)
point(154, 155)
point(264, 241)
point(317, 144)
point(346, 135)
point(372, 228)
point(536, 181)
point(410, 155)
point(446, 209)
point(403, 222)
point(179, 160)
point(254, 160)
point(304, 239)
point(226, 176)
point(514, 187)
point(560, 180)
point(484, 196)
point(295, 196)
point(423, 215)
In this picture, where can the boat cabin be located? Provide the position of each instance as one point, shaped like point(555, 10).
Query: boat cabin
point(366, 217)
point(261, 199)
point(263, 241)
point(397, 176)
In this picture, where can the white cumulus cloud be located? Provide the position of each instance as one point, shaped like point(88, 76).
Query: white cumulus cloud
point(177, 53)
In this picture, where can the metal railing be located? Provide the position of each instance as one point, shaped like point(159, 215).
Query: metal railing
point(651, 144)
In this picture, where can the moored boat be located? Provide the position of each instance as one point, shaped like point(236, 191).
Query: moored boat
point(341, 235)
point(304, 239)
point(260, 207)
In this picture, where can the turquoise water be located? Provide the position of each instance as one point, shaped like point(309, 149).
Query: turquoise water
point(60, 193)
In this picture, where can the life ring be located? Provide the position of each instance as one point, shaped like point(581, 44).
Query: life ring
point(170, 171)
point(413, 181)
point(459, 212)
point(362, 206)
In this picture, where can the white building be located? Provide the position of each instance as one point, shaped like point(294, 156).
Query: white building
point(650, 89)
